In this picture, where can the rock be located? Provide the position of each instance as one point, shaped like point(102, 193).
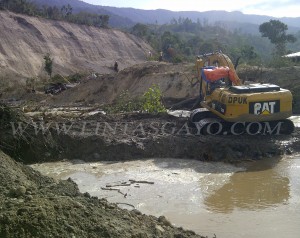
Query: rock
point(163, 220)
point(159, 230)
point(126, 217)
point(19, 191)
point(28, 197)
point(110, 206)
point(87, 195)
point(137, 212)
point(78, 205)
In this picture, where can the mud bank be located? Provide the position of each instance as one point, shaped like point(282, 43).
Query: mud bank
point(133, 136)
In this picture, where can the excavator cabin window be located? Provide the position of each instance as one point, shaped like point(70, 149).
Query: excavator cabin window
point(215, 63)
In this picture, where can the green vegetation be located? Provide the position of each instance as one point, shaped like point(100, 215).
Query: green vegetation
point(77, 77)
point(65, 13)
point(182, 39)
point(124, 103)
point(150, 102)
point(275, 31)
point(7, 115)
point(48, 64)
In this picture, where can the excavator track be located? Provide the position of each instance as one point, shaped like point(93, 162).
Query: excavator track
point(209, 124)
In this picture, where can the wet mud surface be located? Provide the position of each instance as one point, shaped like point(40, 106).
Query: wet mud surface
point(244, 200)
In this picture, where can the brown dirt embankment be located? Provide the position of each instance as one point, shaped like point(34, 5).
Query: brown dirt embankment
point(25, 40)
point(175, 82)
point(133, 136)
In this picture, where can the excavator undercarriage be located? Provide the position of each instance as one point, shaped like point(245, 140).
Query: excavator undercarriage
point(208, 123)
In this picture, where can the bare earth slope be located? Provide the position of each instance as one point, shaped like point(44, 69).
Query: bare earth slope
point(174, 81)
point(25, 40)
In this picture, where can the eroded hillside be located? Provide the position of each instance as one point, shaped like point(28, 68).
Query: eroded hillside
point(74, 48)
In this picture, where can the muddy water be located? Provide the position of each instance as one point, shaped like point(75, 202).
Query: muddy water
point(256, 199)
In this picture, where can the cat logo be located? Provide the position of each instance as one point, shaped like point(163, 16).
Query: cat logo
point(264, 108)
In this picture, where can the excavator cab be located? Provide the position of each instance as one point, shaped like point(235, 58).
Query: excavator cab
point(214, 77)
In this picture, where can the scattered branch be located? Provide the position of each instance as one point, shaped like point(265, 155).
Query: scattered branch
point(140, 181)
point(123, 203)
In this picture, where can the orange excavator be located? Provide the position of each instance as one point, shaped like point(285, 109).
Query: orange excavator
point(229, 107)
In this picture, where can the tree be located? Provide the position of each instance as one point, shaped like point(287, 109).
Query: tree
point(104, 20)
point(275, 31)
point(4, 4)
point(48, 64)
point(170, 43)
point(66, 11)
point(248, 53)
point(140, 30)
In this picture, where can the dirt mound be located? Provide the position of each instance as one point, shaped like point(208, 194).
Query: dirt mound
point(175, 82)
point(36, 206)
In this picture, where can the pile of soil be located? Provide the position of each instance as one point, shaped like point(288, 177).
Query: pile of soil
point(174, 80)
point(33, 205)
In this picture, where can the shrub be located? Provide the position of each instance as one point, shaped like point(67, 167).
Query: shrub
point(150, 102)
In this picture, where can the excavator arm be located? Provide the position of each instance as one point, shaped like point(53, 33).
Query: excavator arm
point(213, 67)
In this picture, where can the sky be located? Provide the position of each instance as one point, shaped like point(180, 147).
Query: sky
point(274, 8)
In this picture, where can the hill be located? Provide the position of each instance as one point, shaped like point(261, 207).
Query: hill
point(74, 48)
point(119, 16)
point(115, 20)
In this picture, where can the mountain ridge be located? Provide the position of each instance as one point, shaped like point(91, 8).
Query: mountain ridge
point(162, 16)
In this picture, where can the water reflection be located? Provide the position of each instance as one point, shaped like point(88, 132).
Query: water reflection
point(259, 187)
